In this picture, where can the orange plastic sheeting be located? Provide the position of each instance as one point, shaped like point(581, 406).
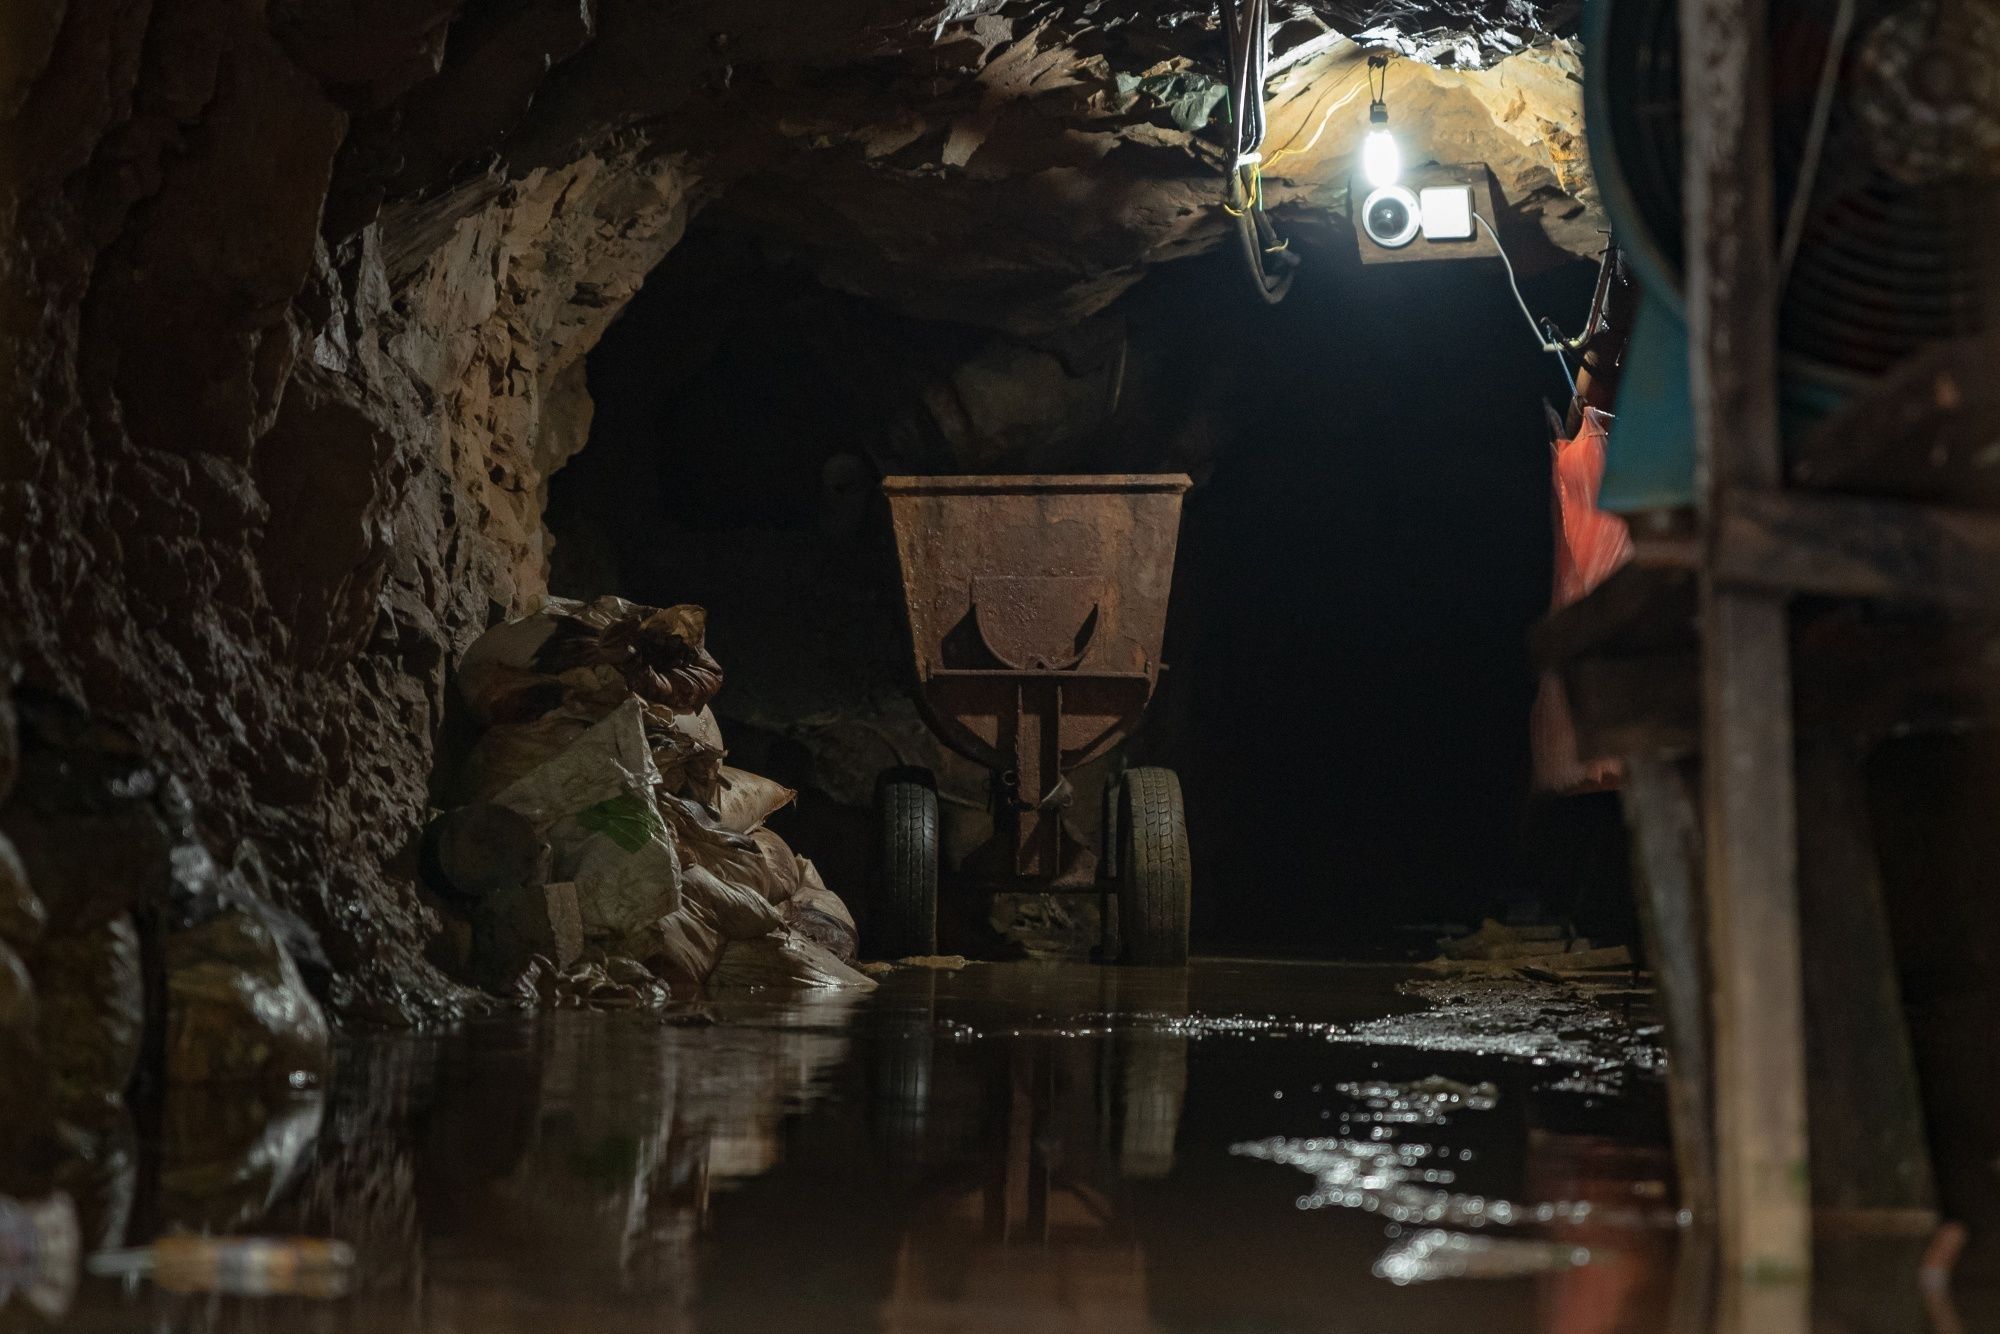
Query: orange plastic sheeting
point(1590, 545)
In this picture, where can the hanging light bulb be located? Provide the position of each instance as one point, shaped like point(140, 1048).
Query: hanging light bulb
point(1381, 157)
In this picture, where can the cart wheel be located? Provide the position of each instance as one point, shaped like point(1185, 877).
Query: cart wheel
point(904, 920)
point(1153, 868)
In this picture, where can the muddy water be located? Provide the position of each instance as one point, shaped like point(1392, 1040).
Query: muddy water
point(1231, 1147)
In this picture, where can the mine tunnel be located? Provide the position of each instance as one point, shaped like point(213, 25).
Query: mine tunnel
point(995, 664)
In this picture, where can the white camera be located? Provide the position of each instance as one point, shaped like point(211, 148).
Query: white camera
point(1391, 217)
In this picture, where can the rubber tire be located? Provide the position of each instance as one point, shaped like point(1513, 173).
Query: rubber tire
point(904, 917)
point(1154, 873)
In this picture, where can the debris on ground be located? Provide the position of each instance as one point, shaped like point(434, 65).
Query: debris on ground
point(39, 1247)
point(945, 963)
point(1497, 948)
point(783, 959)
point(601, 826)
point(618, 983)
point(1558, 1025)
point(236, 1266)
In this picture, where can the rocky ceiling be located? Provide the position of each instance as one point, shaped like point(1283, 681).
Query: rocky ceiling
point(294, 300)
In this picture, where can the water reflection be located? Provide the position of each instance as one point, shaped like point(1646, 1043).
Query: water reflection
point(1021, 1148)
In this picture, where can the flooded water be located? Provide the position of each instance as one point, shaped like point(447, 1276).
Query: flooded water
point(1021, 1147)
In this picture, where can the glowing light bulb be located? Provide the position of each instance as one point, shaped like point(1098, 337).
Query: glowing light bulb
point(1381, 159)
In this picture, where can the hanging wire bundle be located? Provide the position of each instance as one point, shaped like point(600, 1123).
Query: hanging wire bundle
point(1246, 23)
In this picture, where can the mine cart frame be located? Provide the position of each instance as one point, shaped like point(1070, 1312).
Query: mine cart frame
point(1037, 606)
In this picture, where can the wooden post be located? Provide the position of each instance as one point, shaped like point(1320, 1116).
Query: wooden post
point(1666, 864)
point(1871, 1167)
point(1763, 1205)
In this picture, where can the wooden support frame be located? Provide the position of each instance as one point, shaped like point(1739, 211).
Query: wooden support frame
point(1842, 546)
point(1666, 865)
point(1750, 874)
point(1871, 1167)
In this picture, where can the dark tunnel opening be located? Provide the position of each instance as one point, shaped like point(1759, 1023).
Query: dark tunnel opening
point(1367, 544)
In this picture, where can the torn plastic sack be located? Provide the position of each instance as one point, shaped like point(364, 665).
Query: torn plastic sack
point(683, 947)
point(687, 750)
point(746, 800)
point(594, 803)
point(783, 959)
point(590, 653)
point(818, 913)
point(509, 752)
point(618, 983)
point(761, 861)
point(680, 949)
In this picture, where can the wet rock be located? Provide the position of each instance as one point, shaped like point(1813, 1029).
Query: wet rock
point(514, 926)
point(237, 1010)
point(10, 740)
point(100, 829)
point(21, 913)
point(228, 1154)
point(93, 1016)
point(23, 1089)
point(450, 947)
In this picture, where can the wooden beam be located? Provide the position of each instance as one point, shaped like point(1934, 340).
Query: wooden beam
point(1871, 1165)
point(1639, 608)
point(1922, 432)
point(1666, 865)
point(1841, 546)
point(1751, 887)
point(1859, 678)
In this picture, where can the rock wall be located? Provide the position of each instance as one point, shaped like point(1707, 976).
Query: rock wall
point(293, 300)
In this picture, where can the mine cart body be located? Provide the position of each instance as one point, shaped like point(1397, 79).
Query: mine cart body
point(1037, 607)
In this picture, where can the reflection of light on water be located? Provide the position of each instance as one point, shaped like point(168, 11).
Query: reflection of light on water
point(1560, 1026)
point(1424, 1257)
point(1428, 1102)
point(1396, 1181)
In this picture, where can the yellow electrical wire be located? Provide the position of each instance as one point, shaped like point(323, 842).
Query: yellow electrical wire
point(1326, 117)
point(1254, 197)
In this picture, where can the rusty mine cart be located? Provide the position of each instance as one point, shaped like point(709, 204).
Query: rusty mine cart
point(1037, 606)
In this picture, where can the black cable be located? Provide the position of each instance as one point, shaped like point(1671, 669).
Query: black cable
point(1246, 24)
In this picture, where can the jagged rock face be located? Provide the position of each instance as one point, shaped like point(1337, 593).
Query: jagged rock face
point(293, 302)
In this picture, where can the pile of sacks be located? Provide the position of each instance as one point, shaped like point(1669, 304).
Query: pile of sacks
point(603, 844)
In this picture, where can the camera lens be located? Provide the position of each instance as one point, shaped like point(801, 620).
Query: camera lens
point(1389, 216)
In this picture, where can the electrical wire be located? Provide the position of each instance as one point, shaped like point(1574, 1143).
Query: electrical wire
point(1541, 339)
point(1246, 23)
point(1822, 113)
point(1325, 119)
